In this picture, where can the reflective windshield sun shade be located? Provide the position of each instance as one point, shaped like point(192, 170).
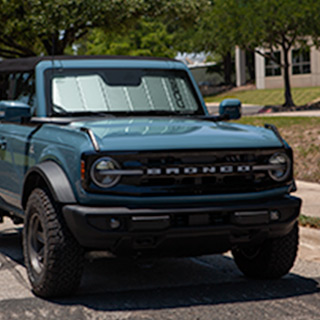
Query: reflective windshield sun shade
point(119, 91)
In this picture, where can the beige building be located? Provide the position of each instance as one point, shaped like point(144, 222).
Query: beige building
point(304, 68)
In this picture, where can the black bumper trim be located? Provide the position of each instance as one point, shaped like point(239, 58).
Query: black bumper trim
point(149, 237)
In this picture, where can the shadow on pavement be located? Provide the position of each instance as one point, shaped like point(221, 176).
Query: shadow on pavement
point(11, 243)
point(122, 285)
point(174, 283)
point(195, 295)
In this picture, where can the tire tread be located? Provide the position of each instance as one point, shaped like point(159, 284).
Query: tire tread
point(275, 259)
point(63, 255)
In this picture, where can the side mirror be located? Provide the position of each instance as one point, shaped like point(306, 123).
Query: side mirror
point(14, 111)
point(230, 108)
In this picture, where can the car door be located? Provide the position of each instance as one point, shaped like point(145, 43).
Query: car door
point(15, 142)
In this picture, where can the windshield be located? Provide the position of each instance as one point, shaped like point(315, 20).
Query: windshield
point(122, 91)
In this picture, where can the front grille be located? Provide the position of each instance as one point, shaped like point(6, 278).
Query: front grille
point(203, 182)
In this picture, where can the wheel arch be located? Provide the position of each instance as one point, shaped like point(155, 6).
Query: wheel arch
point(48, 175)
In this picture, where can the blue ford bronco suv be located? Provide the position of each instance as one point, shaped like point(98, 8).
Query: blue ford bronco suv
point(120, 154)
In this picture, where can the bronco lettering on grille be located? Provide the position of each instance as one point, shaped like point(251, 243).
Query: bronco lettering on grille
point(198, 170)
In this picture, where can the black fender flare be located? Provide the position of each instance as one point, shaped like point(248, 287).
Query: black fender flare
point(54, 178)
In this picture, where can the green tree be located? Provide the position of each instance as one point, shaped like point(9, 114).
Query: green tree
point(146, 37)
point(212, 34)
point(274, 25)
point(41, 26)
point(161, 31)
point(279, 24)
point(254, 24)
point(32, 27)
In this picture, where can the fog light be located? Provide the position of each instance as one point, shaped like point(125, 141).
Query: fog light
point(114, 223)
point(274, 215)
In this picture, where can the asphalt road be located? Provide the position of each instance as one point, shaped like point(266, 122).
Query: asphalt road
point(208, 287)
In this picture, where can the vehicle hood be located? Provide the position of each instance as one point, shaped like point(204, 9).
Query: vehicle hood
point(157, 133)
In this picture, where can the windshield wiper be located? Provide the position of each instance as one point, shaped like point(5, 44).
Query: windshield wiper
point(64, 113)
point(61, 112)
point(92, 113)
point(82, 114)
point(152, 113)
point(213, 118)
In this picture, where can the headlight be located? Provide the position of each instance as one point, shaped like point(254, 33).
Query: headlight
point(104, 172)
point(281, 167)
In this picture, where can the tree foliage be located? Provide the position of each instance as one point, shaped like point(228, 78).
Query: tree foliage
point(41, 26)
point(270, 24)
point(32, 27)
point(160, 31)
point(146, 37)
point(159, 27)
point(214, 33)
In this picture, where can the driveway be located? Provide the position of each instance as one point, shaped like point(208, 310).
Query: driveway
point(209, 287)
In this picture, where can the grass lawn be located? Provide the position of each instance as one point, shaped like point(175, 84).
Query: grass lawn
point(311, 222)
point(303, 135)
point(301, 96)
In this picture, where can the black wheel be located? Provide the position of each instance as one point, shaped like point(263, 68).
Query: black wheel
point(271, 260)
point(53, 258)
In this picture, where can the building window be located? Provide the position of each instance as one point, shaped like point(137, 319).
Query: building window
point(301, 61)
point(272, 64)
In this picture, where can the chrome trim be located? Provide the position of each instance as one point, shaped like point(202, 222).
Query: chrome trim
point(151, 218)
point(122, 172)
point(250, 213)
point(268, 167)
point(169, 171)
point(92, 138)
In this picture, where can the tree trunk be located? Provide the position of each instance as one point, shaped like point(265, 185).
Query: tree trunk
point(287, 87)
point(53, 45)
point(251, 65)
point(227, 67)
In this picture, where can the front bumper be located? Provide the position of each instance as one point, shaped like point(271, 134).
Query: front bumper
point(181, 231)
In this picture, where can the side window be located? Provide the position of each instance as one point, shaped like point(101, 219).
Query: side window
point(4, 86)
point(24, 88)
point(301, 61)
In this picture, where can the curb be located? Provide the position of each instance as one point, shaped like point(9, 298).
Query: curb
point(310, 194)
point(309, 244)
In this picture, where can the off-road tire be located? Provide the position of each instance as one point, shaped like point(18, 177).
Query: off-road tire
point(272, 260)
point(53, 258)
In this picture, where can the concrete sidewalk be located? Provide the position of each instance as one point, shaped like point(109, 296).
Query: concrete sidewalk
point(254, 110)
point(309, 238)
point(309, 113)
point(309, 244)
point(310, 195)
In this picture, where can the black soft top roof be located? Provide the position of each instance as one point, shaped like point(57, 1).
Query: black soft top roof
point(28, 64)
